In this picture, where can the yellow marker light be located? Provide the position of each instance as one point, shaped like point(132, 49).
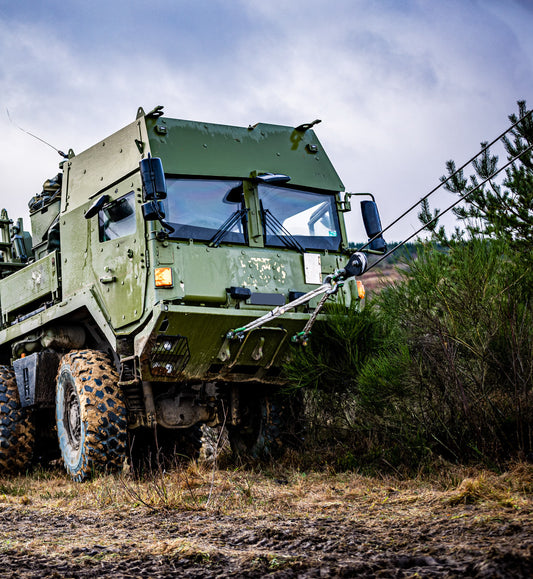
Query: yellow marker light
point(360, 289)
point(163, 277)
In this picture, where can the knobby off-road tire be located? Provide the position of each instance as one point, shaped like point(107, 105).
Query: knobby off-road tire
point(216, 446)
point(90, 414)
point(17, 436)
point(163, 449)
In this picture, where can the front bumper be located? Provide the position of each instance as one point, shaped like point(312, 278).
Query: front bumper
point(189, 343)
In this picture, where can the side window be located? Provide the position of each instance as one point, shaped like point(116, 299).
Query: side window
point(117, 219)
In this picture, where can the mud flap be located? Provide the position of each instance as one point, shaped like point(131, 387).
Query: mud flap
point(36, 379)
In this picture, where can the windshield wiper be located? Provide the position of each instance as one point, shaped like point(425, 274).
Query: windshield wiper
point(230, 222)
point(276, 226)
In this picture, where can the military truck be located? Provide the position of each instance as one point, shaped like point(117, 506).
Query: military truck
point(133, 306)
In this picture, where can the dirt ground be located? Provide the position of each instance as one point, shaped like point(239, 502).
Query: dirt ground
point(248, 523)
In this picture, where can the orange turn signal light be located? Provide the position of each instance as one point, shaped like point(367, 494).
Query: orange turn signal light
point(360, 289)
point(163, 277)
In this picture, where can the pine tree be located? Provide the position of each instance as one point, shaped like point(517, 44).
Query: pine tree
point(494, 210)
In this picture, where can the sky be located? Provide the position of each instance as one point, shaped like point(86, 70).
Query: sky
point(401, 86)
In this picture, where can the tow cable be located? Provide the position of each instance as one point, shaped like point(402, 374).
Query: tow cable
point(358, 264)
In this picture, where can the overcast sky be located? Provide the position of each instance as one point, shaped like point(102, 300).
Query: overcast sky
point(401, 86)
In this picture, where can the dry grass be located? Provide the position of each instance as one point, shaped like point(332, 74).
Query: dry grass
point(224, 521)
point(237, 491)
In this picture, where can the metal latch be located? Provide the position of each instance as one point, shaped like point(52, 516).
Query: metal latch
point(108, 279)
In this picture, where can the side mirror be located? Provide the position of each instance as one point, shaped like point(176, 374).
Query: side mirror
point(96, 206)
point(153, 211)
point(153, 179)
point(372, 222)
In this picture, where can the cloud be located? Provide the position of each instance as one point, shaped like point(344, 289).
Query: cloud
point(401, 86)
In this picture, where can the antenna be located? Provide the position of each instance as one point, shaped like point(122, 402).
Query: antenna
point(35, 136)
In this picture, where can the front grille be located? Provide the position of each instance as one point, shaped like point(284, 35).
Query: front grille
point(169, 356)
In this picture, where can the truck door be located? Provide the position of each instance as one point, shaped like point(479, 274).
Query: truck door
point(119, 256)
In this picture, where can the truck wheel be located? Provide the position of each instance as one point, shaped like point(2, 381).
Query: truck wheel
point(258, 435)
point(172, 447)
point(215, 445)
point(90, 414)
point(16, 427)
point(270, 424)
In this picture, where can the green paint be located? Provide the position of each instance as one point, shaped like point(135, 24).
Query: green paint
point(99, 273)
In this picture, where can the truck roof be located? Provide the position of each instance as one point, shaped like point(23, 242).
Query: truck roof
point(192, 148)
point(207, 149)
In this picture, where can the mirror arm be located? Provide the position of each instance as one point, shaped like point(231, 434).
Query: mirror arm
point(361, 194)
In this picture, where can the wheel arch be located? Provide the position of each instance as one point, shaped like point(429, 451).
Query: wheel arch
point(36, 355)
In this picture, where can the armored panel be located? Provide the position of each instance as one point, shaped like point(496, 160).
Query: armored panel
point(193, 148)
point(29, 285)
point(102, 165)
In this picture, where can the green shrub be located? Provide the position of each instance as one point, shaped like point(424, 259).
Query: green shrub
point(440, 364)
point(326, 370)
point(457, 374)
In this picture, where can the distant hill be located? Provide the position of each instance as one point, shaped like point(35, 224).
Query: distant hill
point(404, 254)
point(390, 269)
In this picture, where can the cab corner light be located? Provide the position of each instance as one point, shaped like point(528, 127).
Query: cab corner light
point(163, 277)
point(360, 289)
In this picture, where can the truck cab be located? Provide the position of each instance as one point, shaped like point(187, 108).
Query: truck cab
point(154, 268)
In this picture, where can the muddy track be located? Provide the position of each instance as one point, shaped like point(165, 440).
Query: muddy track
point(365, 543)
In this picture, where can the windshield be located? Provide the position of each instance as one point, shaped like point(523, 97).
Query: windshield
point(293, 217)
point(208, 210)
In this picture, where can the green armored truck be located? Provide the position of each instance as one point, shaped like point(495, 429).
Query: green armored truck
point(170, 270)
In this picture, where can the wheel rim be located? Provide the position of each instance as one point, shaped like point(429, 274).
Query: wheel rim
point(71, 419)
